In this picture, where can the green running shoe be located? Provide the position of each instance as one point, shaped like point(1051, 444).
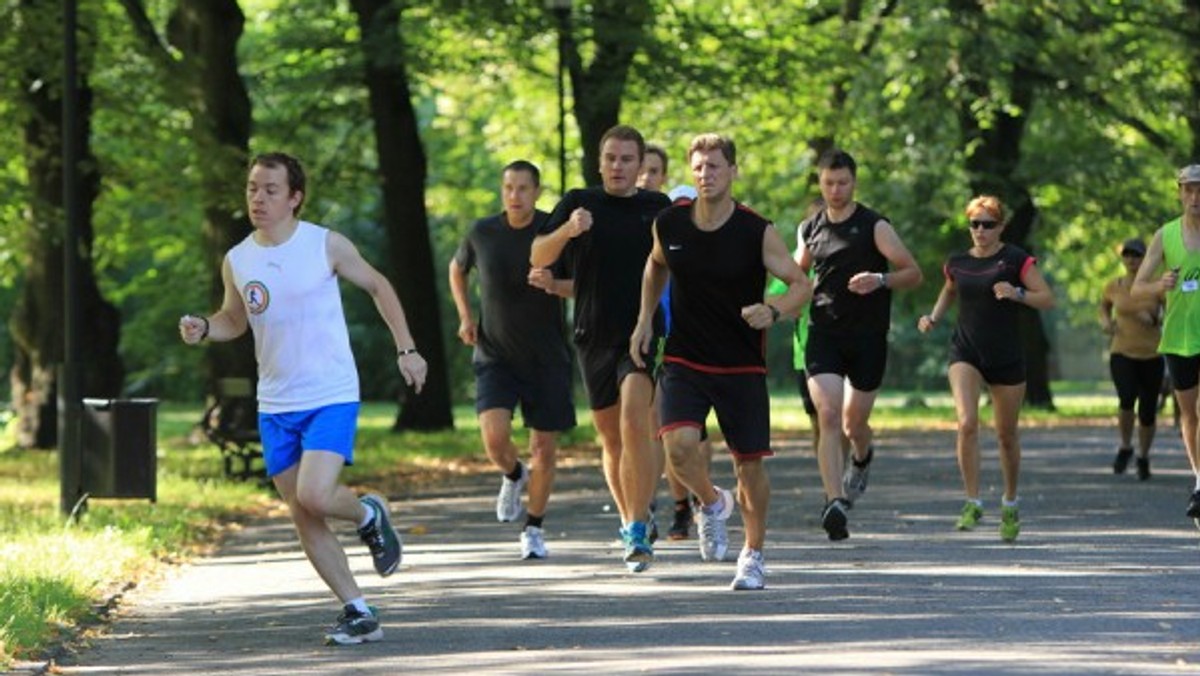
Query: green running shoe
point(971, 514)
point(1010, 524)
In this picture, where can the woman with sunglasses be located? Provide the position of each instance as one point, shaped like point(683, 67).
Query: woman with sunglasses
point(992, 281)
point(1135, 324)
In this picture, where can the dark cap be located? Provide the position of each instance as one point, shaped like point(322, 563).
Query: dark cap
point(1133, 245)
point(1189, 174)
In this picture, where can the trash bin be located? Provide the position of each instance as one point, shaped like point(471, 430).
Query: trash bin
point(119, 444)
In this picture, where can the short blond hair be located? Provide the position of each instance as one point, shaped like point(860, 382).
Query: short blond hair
point(986, 204)
point(714, 142)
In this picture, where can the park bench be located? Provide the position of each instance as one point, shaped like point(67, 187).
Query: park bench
point(231, 422)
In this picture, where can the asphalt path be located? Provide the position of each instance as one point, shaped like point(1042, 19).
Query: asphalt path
point(1104, 579)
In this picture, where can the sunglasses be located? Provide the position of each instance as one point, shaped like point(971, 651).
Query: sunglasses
point(1132, 254)
point(986, 225)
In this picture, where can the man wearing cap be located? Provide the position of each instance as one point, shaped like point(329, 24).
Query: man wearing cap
point(1176, 247)
point(1135, 327)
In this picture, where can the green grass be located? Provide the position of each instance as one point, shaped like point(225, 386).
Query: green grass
point(54, 575)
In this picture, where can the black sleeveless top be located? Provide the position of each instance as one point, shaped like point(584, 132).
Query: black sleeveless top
point(839, 251)
point(714, 274)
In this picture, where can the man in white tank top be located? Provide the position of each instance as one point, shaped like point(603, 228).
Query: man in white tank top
point(281, 282)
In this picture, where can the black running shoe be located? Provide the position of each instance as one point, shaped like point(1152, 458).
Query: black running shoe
point(380, 537)
point(1143, 469)
point(1194, 505)
point(354, 627)
point(833, 519)
point(1124, 455)
point(681, 526)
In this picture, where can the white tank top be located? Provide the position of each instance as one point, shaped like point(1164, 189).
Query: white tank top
point(294, 305)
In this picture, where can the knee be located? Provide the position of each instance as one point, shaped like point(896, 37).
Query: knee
point(1008, 439)
point(543, 454)
point(494, 440)
point(313, 500)
point(968, 427)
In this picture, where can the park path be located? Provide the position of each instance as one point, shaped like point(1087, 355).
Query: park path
point(1105, 579)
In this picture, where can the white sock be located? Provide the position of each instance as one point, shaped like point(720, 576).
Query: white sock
point(1198, 482)
point(976, 501)
point(370, 516)
point(360, 604)
point(1010, 503)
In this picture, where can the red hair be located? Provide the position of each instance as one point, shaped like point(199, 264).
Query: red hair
point(986, 204)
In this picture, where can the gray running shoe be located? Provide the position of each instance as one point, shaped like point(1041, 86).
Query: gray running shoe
point(714, 539)
point(532, 544)
point(354, 627)
point(751, 572)
point(833, 519)
point(508, 501)
point(379, 536)
point(854, 480)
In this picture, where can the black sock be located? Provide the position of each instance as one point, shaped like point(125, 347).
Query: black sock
point(535, 521)
point(865, 461)
point(684, 505)
point(515, 475)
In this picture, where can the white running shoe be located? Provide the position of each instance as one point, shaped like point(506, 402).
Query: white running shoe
point(508, 501)
point(533, 546)
point(751, 573)
point(714, 540)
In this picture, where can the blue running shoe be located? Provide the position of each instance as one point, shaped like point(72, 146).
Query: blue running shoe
point(638, 552)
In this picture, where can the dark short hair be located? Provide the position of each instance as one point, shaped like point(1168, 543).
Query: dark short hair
point(295, 172)
point(524, 165)
point(835, 158)
point(715, 142)
point(623, 132)
point(653, 149)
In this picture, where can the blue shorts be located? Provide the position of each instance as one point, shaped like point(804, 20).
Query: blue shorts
point(286, 436)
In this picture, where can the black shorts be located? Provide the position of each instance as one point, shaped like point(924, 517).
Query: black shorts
point(1012, 373)
point(1185, 371)
point(740, 400)
point(802, 384)
point(1137, 381)
point(604, 367)
point(543, 391)
point(860, 358)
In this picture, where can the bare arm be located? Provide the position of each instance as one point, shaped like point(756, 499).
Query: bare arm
point(945, 299)
point(1144, 284)
point(543, 278)
point(904, 273)
point(1106, 311)
point(462, 303)
point(1036, 293)
point(547, 248)
point(654, 278)
point(227, 323)
point(349, 264)
point(779, 262)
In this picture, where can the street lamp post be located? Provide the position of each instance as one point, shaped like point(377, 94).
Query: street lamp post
point(562, 12)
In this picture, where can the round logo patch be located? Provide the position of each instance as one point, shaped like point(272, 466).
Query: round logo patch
point(257, 298)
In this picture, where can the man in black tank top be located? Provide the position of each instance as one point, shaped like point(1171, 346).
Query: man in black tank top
point(521, 353)
point(603, 235)
point(857, 259)
point(717, 253)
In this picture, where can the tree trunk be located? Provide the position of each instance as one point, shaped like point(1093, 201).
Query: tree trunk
point(206, 32)
point(402, 178)
point(38, 315)
point(618, 30)
point(992, 159)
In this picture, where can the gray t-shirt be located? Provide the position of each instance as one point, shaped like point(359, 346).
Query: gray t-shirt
point(519, 324)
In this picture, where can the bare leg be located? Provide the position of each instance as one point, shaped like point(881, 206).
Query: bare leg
point(1125, 427)
point(965, 386)
point(608, 425)
point(827, 391)
point(638, 477)
point(543, 452)
point(313, 494)
point(754, 495)
point(495, 427)
point(1006, 403)
point(1188, 425)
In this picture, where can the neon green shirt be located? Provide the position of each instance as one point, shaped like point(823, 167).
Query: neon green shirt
point(1181, 325)
point(800, 335)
